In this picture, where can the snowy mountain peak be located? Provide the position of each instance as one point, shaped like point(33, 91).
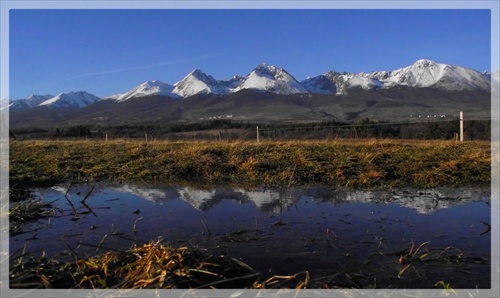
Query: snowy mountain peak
point(273, 72)
point(147, 88)
point(70, 100)
point(423, 73)
point(35, 97)
point(266, 68)
point(196, 72)
point(324, 83)
point(197, 82)
point(154, 84)
point(427, 73)
point(331, 73)
point(200, 75)
point(422, 63)
point(272, 79)
point(29, 102)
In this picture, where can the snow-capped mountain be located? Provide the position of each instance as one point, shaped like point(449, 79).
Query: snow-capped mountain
point(323, 84)
point(421, 74)
point(29, 102)
point(197, 82)
point(338, 83)
point(147, 88)
point(271, 78)
point(427, 73)
point(263, 78)
point(70, 100)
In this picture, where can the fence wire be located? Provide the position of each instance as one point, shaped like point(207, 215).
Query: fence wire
point(474, 129)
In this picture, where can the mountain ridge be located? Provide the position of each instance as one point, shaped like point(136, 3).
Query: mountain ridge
point(423, 73)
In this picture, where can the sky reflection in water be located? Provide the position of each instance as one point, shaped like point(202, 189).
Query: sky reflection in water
point(283, 231)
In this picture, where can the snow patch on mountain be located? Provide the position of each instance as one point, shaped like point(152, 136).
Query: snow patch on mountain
point(364, 83)
point(70, 100)
point(113, 97)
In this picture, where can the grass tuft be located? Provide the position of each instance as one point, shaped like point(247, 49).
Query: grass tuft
point(151, 266)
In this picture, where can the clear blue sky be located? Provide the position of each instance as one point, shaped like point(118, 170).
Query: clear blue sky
point(111, 51)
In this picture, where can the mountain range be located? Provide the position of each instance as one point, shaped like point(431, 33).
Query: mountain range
point(199, 95)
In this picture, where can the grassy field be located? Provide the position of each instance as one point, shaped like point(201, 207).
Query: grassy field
point(338, 163)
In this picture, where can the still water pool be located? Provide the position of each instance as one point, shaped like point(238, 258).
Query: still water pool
point(352, 238)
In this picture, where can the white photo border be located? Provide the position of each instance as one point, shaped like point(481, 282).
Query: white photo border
point(7, 5)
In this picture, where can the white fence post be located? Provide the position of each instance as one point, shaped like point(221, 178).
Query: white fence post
point(257, 133)
point(461, 126)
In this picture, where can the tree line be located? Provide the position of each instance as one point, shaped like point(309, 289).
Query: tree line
point(229, 129)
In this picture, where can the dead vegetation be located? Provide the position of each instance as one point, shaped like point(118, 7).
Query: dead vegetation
point(384, 163)
point(343, 163)
point(28, 210)
point(151, 266)
point(158, 266)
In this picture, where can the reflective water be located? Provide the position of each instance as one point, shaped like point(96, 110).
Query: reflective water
point(342, 237)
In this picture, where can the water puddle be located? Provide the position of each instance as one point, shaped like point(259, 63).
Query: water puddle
point(362, 239)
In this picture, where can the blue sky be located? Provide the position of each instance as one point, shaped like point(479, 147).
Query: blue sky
point(112, 51)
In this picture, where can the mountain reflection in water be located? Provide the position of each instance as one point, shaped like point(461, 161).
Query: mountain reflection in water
point(319, 229)
point(275, 200)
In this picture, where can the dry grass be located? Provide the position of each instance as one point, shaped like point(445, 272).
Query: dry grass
point(352, 163)
point(151, 266)
point(28, 210)
point(158, 266)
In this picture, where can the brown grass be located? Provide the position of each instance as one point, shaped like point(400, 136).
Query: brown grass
point(352, 163)
point(151, 266)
